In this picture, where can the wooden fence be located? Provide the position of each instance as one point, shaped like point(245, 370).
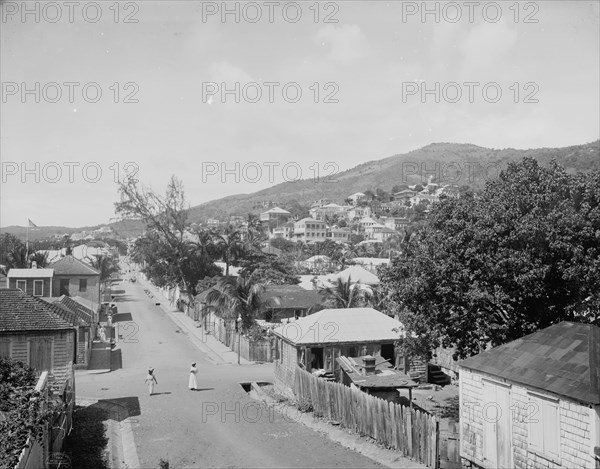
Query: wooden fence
point(413, 432)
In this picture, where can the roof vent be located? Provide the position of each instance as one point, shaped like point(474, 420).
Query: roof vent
point(369, 366)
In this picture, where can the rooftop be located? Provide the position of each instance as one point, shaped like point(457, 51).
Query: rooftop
point(331, 326)
point(30, 273)
point(22, 312)
point(563, 359)
point(385, 376)
point(291, 296)
point(355, 274)
point(70, 265)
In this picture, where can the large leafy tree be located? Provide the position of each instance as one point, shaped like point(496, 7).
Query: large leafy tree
point(270, 269)
point(170, 252)
point(492, 267)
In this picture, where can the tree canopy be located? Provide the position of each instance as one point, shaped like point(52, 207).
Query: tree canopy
point(491, 267)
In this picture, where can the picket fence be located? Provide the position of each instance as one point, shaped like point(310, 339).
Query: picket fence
point(413, 432)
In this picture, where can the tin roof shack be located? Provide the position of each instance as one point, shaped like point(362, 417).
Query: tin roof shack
point(35, 333)
point(317, 340)
point(375, 375)
point(534, 402)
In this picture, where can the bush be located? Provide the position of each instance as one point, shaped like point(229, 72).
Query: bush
point(304, 405)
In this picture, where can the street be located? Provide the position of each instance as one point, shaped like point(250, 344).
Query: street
point(217, 426)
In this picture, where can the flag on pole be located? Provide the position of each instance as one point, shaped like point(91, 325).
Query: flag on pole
point(31, 224)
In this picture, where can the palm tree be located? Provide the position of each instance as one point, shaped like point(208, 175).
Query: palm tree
point(17, 257)
point(238, 297)
point(40, 258)
point(105, 265)
point(344, 294)
point(375, 298)
point(229, 244)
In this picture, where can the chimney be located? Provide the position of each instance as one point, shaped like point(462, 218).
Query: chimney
point(33, 264)
point(369, 365)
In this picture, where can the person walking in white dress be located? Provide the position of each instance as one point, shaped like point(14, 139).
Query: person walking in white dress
point(193, 382)
point(150, 381)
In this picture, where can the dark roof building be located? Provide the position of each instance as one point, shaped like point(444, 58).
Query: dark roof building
point(70, 265)
point(563, 359)
point(22, 312)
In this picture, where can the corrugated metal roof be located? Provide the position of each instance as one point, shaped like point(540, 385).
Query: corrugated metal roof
point(563, 359)
point(30, 273)
point(330, 326)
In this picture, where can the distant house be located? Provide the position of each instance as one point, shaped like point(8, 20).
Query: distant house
point(285, 231)
point(534, 402)
point(317, 262)
point(34, 332)
point(339, 235)
point(310, 230)
point(35, 282)
point(356, 197)
point(276, 213)
point(75, 277)
point(358, 212)
point(288, 301)
point(315, 341)
point(396, 223)
point(404, 195)
point(320, 212)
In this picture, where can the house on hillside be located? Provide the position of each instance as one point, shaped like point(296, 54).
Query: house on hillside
point(356, 197)
point(35, 282)
point(339, 235)
point(276, 213)
point(75, 277)
point(533, 402)
point(288, 301)
point(285, 231)
point(33, 331)
point(309, 230)
point(317, 340)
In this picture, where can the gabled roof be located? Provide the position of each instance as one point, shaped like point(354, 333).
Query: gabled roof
point(563, 359)
point(331, 326)
point(83, 313)
point(30, 273)
point(70, 265)
point(356, 274)
point(356, 194)
point(291, 297)
point(22, 312)
point(277, 210)
point(64, 312)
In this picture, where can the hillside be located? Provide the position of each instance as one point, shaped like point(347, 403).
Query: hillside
point(448, 163)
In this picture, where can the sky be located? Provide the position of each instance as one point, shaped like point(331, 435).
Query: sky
point(233, 97)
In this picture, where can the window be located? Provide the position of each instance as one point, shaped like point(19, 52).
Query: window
point(543, 420)
point(38, 288)
point(83, 284)
point(22, 284)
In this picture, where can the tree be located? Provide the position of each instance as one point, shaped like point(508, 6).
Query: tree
point(344, 294)
point(40, 258)
point(269, 269)
point(106, 265)
point(240, 296)
point(167, 249)
point(26, 412)
point(492, 267)
point(229, 245)
point(9, 243)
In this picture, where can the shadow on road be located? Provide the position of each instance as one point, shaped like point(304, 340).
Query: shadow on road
point(116, 360)
point(122, 317)
point(202, 389)
point(159, 393)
